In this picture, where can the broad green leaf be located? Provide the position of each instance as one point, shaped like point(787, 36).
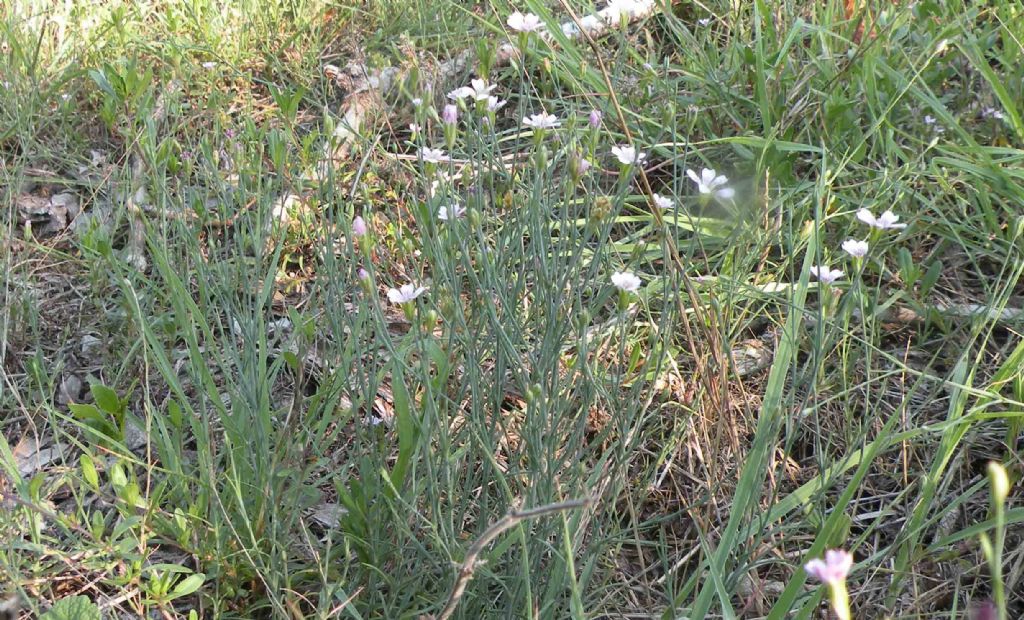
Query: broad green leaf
point(72, 608)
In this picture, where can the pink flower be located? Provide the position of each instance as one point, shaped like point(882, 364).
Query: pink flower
point(594, 119)
point(833, 569)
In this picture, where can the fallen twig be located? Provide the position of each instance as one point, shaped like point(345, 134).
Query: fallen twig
point(507, 522)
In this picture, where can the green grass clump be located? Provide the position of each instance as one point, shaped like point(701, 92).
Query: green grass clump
point(624, 386)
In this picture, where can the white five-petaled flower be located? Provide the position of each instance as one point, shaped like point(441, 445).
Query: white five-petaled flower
point(825, 275)
point(704, 21)
point(833, 569)
point(451, 212)
point(542, 121)
point(494, 104)
point(479, 90)
point(886, 221)
point(417, 102)
point(626, 281)
point(663, 202)
point(433, 156)
point(856, 248)
point(405, 293)
point(628, 155)
point(710, 182)
point(524, 23)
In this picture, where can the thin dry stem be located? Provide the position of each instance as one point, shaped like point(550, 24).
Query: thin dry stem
point(507, 522)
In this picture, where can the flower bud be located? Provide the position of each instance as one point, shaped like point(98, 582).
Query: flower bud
point(578, 166)
point(1000, 482)
point(359, 226)
point(601, 210)
point(595, 119)
point(365, 281)
point(430, 319)
point(450, 115)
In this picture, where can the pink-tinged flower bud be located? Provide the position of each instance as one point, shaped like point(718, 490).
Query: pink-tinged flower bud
point(363, 274)
point(358, 226)
point(833, 569)
point(450, 114)
point(985, 611)
point(595, 119)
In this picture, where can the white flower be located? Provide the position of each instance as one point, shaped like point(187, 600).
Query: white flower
point(833, 569)
point(710, 182)
point(414, 128)
point(886, 221)
point(524, 23)
point(991, 112)
point(434, 156)
point(479, 90)
point(626, 281)
point(825, 275)
point(617, 9)
point(589, 24)
point(932, 122)
point(542, 121)
point(628, 155)
point(856, 248)
point(704, 21)
point(494, 104)
point(405, 294)
point(452, 212)
point(663, 202)
point(209, 65)
point(417, 102)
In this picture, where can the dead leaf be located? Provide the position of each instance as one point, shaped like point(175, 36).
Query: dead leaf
point(328, 515)
point(47, 215)
point(70, 389)
point(30, 455)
